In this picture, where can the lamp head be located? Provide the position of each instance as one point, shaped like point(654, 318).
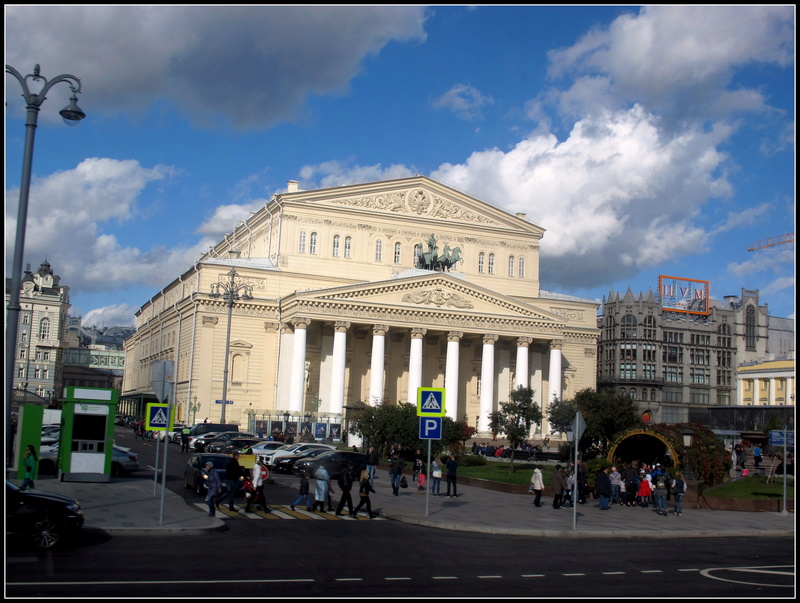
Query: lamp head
point(72, 113)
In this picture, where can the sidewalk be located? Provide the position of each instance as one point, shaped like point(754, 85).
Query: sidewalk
point(129, 506)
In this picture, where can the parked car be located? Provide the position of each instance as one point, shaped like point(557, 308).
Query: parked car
point(199, 442)
point(222, 439)
point(234, 445)
point(48, 459)
point(263, 447)
point(123, 461)
point(193, 472)
point(205, 428)
point(286, 464)
point(42, 519)
point(335, 461)
point(271, 456)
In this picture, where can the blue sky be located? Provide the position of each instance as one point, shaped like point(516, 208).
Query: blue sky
point(646, 141)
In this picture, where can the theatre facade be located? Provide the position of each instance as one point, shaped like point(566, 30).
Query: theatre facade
point(360, 295)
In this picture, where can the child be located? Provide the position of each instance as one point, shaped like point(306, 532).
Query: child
point(421, 477)
point(644, 492)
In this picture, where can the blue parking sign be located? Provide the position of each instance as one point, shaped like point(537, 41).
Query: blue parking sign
point(430, 428)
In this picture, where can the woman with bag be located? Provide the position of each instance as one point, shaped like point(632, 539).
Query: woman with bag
point(363, 493)
point(537, 485)
point(436, 473)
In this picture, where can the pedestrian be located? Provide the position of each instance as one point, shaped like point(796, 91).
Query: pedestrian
point(644, 492)
point(616, 486)
point(258, 477)
point(29, 467)
point(678, 490)
point(603, 489)
point(213, 487)
point(418, 463)
point(234, 477)
point(738, 450)
point(396, 469)
point(372, 464)
point(660, 494)
point(365, 487)
point(436, 474)
point(345, 482)
point(452, 476)
point(569, 490)
point(558, 484)
point(185, 438)
point(537, 485)
point(305, 493)
point(757, 456)
point(631, 477)
point(323, 489)
point(580, 476)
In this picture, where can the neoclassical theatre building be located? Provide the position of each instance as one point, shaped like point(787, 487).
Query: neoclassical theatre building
point(362, 294)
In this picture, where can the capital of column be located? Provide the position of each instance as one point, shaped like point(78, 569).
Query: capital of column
point(455, 335)
point(556, 344)
point(301, 322)
point(341, 326)
point(524, 341)
point(379, 329)
point(490, 338)
point(418, 332)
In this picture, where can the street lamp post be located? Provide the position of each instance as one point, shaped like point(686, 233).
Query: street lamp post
point(230, 291)
point(71, 114)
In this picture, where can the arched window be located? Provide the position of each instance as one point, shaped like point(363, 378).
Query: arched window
point(44, 328)
point(521, 271)
point(378, 250)
point(750, 329)
point(628, 327)
point(312, 245)
point(511, 262)
point(481, 261)
point(348, 247)
point(397, 248)
point(336, 240)
point(491, 263)
point(301, 242)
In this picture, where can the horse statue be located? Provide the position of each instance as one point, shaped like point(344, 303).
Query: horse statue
point(449, 258)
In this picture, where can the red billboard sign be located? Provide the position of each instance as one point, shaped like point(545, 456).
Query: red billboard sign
point(684, 294)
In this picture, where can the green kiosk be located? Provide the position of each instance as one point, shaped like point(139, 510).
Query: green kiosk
point(87, 434)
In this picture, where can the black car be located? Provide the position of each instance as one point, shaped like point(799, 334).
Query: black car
point(43, 519)
point(285, 464)
point(193, 473)
point(221, 440)
point(231, 446)
point(335, 461)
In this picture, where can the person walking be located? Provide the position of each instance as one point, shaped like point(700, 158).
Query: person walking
point(305, 493)
point(631, 477)
point(603, 489)
point(757, 456)
point(258, 477)
point(580, 476)
point(616, 486)
point(323, 489)
point(345, 484)
point(660, 493)
point(29, 467)
point(213, 487)
point(678, 490)
point(372, 464)
point(436, 474)
point(559, 484)
point(365, 487)
point(396, 469)
point(452, 476)
point(185, 438)
point(234, 477)
point(537, 484)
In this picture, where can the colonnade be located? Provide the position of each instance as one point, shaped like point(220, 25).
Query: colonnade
point(334, 379)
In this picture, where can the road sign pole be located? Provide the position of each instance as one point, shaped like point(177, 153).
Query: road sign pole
point(427, 484)
point(166, 452)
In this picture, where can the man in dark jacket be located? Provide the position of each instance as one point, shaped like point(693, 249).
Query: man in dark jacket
point(602, 487)
point(559, 484)
point(233, 477)
point(346, 483)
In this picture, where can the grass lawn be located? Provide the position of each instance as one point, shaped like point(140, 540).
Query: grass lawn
point(498, 472)
point(753, 488)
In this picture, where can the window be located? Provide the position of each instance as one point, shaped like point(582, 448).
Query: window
point(301, 242)
point(348, 247)
point(672, 353)
point(649, 330)
point(627, 351)
point(44, 328)
point(649, 371)
point(491, 263)
point(20, 372)
point(481, 261)
point(673, 374)
point(26, 318)
point(627, 370)
point(336, 241)
point(23, 337)
point(699, 397)
point(628, 327)
point(511, 262)
point(312, 246)
point(417, 255)
point(397, 248)
point(699, 376)
point(521, 271)
point(378, 251)
point(750, 329)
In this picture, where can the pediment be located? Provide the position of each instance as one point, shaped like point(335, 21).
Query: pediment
point(416, 198)
point(437, 292)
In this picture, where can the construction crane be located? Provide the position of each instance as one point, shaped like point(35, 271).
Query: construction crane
point(772, 241)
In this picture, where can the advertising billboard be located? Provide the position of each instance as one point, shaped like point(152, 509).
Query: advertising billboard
point(684, 294)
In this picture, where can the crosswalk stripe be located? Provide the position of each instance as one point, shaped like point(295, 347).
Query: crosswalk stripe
point(283, 512)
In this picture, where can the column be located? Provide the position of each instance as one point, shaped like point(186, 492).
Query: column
point(339, 360)
point(298, 375)
point(376, 364)
point(415, 364)
point(487, 383)
point(451, 373)
point(554, 376)
point(522, 376)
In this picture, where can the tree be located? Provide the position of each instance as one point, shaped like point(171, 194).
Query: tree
point(561, 414)
point(515, 419)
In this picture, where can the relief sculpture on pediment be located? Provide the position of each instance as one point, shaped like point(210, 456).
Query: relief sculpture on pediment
point(439, 297)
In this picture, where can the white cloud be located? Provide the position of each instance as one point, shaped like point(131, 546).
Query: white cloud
point(120, 315)
point(463, 100)
point(335, 173)
point(271, 57)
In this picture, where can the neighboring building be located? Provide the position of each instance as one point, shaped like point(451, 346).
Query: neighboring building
point(766, 383)
point(349, 306)
point(94, 355)
point(677, 365)
point(39, 357)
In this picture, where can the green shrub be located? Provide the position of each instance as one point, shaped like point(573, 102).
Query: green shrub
point(472, 460)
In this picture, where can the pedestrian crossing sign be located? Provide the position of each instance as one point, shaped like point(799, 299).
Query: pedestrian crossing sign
point(430, 402)
point(158, 417)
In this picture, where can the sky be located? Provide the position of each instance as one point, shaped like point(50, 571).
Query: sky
point(646, 141)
